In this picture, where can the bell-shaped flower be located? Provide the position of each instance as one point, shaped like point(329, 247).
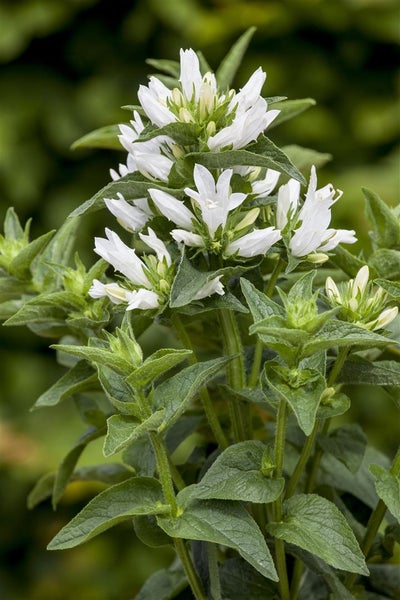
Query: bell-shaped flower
point(257, 242)
point(153, 158)
point(307, 229)
point(130, 217)
point(225, 119)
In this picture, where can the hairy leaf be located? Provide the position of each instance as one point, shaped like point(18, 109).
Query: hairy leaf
point(78, 379)
point(387, 487)
point(158, 363)
point(136, 496)
point(231, 62)
point(316, 524)
point(347, 444)
point(104, 137)
point(124, 430)
point(226, 523)
point(236, 475)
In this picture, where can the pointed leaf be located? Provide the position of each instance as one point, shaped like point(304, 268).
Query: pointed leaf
point(78, 379)
point(136, 496)
point(290, 109)
point(305, 158)
point(261, 306)
point(119, 392)
point(358, 371)
point(164, 584)
point(316, 524)
point(158, 363)
point(347, 444)
point(263, 153)
point(171, 67)
point(176, 392)
point(102, 356)
point(302, 389)
point(392, 287)
point(109, 473)
point(385, 262)
point(12, 226)
point(360, 484)
point(240, 581)
point(226, 523)
point(68, 463)
point(387, 487)
point(349, 263)
point(124, 430)
point(339, 333)
point(131, 186)
point(21, 265)
point(236, 475)
point(230, 64)
point(104, 137)
point(385, 225)
point(184, 134)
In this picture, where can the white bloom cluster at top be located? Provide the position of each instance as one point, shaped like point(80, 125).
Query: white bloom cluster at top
point(228, 212)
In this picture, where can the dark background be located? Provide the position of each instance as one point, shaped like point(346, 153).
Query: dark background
point(66, 66)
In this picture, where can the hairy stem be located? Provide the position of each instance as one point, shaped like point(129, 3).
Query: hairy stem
point(191, 573)
point(215, 584)
point(375, 520)
point(279, 544)
point(236, 375)
point(257, 359)
point(208, 406)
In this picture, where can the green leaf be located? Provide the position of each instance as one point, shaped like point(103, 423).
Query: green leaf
point(131, 186)
point(360, 484)
point(387, 487)
point(136, 496)
point(385, 226)
point(78, 379)
point(172, 67)
point(189, 281)
point(58, 251)
point(109, 473)
point(358, 371)
point(240, 581)
point(260, 305)
point(140, 455)
point(302, 389)
point(231, 62)
point(102, 356)
point(305, 158)
point(302, 289)
point(50, 316)
point(176, 392)
point(164, 585)
point(333, 406)
point(68, 463)
point(184, 134)
point(158, 363)
point(20, 266)
point(392, 287)
point(226, 523)
point(316, 524)
point(290, 109)
point(386, 579)
point(12, 226)
point(124, 430)
point(236, 475)
point(386, 263)
point(339, 333)
point(347, 444)
point(118, 391)
point(213, 303)
point(262, 153)
point(149, 532)
point(349, 263)
point(318, 573)
point(104, 137)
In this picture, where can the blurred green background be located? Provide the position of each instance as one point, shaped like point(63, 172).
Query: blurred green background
point(66, 66)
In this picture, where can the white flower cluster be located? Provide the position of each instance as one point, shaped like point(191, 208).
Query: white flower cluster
point(222, 213)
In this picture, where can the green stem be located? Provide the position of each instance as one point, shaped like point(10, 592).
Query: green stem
point(190, 571)
point(303, 460)
point(164, 471)
point(236, 375)
point(215, 584)
point(257, 359)
point(296, 578)
point(279, 455)
point(208, 406)
point(375, 520)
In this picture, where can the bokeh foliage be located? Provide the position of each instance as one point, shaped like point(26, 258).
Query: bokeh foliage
point(66, 68)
